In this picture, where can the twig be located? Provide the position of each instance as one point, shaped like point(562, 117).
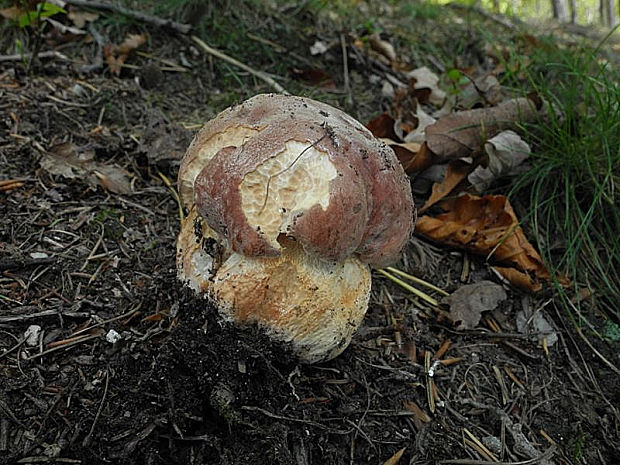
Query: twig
point(25, 262)
point(478, 446)
point(345, 70)
point(278, 48)
point(49, 312)
point(86, 440)
point(222, 56)
point(46, 459)
point(92, 252)
point(38, 37)
point(10, 184)
point(294, 420)
point(16, 346)
point(181, 28)
point(109, 320)
point(172, 66)
point(154, 20)
point(66, 346)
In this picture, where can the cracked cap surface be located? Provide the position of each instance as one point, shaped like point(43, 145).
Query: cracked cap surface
point(281, 165)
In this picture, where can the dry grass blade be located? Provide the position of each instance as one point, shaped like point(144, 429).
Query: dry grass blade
point(174, 192)
point(475, 443)
point(409, 288)
point(416, 280)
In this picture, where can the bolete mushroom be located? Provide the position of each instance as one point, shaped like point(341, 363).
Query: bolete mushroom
point(290, 200)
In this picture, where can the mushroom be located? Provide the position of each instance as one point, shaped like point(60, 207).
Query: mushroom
point(290, 202)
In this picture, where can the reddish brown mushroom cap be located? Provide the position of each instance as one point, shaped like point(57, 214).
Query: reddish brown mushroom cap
point(353, 195)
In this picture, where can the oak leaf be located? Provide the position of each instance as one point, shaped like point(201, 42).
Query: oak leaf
point(115, 55)
point(458, 135)
point(488, 226)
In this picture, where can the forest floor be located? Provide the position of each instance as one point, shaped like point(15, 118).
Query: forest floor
point(105, 358)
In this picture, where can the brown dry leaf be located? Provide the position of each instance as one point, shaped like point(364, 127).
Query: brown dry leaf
point(404, 110)
point(414, 157)
point(468, 302)
point(423, 121)
point(313, 77)
point(505, 152)
point(405, 151)
point(383, 127)
point(486, 226)
point(485, 89)
point(80, 17)
point(131, 42)
point(115, 55)
point(423, 159)
point(425, 79)
point(162, 141)
point(64, 160)
point(111, 178)
point(381, 46)
point(409, 119)
point(518, 279)
point(459, 134)
point(394, 459)
point(423, 181)
point(114, 63)
point(456, 173)
point(13, 13)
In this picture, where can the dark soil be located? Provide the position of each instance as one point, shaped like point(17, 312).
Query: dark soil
point(180, 386)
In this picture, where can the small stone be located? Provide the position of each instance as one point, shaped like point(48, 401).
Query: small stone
point(387, 89)
point(318, 48)
point(79, 91)
point(32, 335)
point(113, 337)
point(38, 255)
point(493, 444)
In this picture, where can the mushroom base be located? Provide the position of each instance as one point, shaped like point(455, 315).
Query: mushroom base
point(314, 305)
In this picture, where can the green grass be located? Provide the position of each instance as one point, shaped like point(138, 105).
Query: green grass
point(574, 181)
point(421, 10)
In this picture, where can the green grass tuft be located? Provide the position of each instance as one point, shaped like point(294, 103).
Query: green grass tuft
point(421, 10)
point(574, 181)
